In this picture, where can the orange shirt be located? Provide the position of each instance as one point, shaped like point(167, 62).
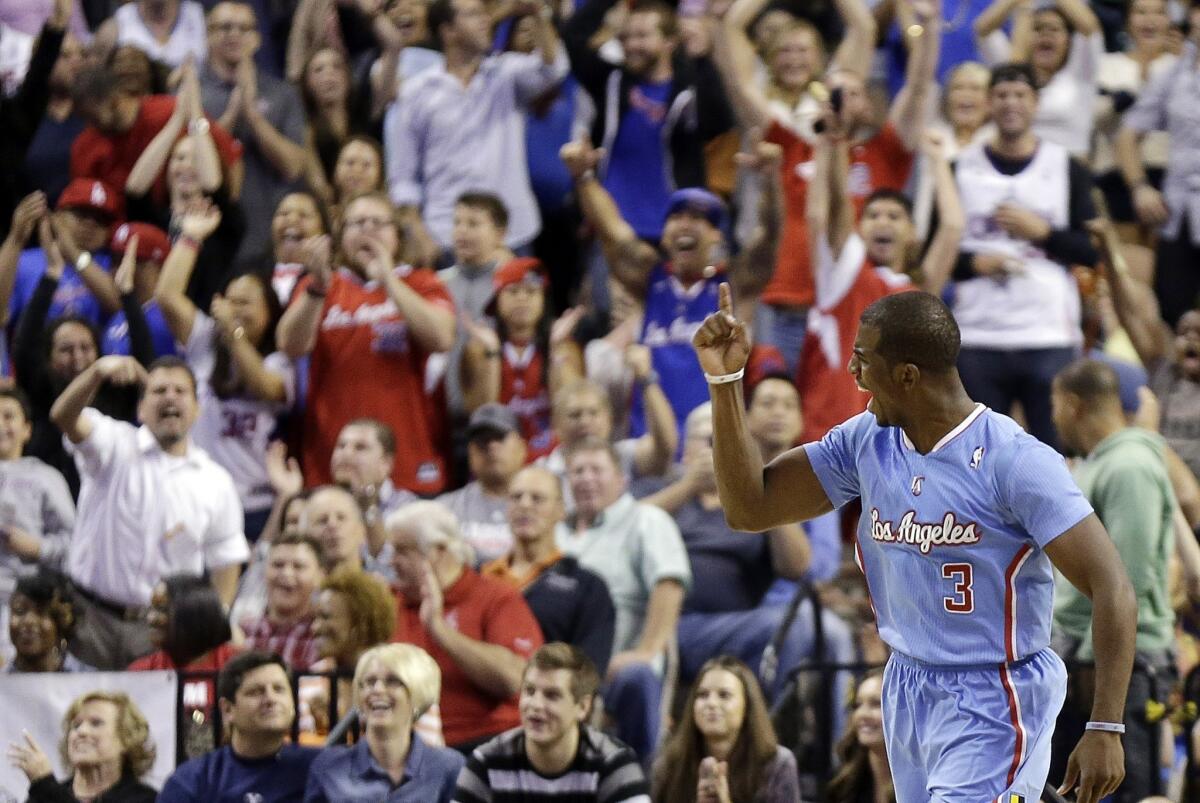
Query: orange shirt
point(880, 162)
point(365, 364)
point(499, 569)
point(486, 610)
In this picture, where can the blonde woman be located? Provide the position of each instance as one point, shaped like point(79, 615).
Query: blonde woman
point(107, 747)
point(394, 684)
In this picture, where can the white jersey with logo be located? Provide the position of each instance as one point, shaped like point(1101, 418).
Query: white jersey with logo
point(1036, 305)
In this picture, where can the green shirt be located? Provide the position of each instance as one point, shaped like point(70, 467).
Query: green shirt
point(1126, 481)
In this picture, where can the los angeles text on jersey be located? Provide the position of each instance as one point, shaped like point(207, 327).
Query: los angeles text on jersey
point(925, 535)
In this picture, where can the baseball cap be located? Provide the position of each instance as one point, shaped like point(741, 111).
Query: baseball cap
point(699, 200)
point(493, 419)
point(152, 241)
point(518, 270)
point(90, 193)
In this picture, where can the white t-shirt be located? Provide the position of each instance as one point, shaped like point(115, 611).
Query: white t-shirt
point(189, 37)
point(236, 431)
point(144, 514)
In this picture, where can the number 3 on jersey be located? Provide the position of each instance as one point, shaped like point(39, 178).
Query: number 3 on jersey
point(963, 600)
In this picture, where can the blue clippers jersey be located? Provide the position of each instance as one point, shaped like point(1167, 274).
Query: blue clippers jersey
point(951, 542)
point(672, 317)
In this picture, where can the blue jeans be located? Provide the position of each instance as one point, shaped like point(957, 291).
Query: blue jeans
point(784, 328)
point(633, 698)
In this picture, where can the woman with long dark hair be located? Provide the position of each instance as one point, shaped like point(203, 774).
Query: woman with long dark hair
point(337, 110)
point(522, 362)
point(863, 774)
point(242, 382)
point(724, 750)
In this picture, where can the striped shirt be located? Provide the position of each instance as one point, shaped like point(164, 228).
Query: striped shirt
point(604, 771)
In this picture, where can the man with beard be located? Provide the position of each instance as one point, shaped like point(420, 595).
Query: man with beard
point(678, 281)
point(1015, 299)
point(257, 764)
point(151, 504)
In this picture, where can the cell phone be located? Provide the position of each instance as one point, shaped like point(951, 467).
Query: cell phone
point(835, 99)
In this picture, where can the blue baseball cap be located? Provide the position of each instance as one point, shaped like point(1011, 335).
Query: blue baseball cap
point(699, 200)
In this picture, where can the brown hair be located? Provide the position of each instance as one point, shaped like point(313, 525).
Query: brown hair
point(298, 539)
point(853, 778)
point(372, 608)
point(753, 751)
point(137, 748)
point(394, 212)
point(559, 655)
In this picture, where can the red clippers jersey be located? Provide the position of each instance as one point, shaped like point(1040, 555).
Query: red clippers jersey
point(523, 389)
point(881, 161)
point(365, 364)
point(846, 286)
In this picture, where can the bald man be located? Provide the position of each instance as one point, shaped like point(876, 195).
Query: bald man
point(570, 603)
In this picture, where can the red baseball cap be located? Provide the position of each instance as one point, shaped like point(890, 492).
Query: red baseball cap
point(153, 243)
point(518, 270)
point(90, 193)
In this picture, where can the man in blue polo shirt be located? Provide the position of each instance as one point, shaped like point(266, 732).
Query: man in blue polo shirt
point(257, 764)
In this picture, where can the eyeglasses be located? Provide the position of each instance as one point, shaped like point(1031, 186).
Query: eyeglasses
point(231, 27)
point(367, 222)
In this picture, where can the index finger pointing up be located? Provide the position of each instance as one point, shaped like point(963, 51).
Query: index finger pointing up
point(725, 296)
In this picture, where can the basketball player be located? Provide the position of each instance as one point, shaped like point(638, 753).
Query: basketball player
point(963, 516)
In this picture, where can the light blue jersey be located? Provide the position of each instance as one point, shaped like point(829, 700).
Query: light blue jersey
point(952, 542)
point(952, 546)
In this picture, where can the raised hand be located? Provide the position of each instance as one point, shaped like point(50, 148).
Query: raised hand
point(563, 328)
point(283, 472)
point(580, 157)
point(760, 156)
point(200, 220)
point(1150, 206)
point(221, 311)
point(933, 144)
point(382, 262)
point(481, 333)
point(64, 235)
point(29, 758)
point(722, 343)
point(55, 262)
point(637, 357)
point(1022, 223)
point(120, 370)
point(123, 278)
point(26, 216)
point(314, 255)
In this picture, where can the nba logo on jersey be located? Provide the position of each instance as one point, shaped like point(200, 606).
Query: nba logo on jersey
point(917, 482)
point(977, 457)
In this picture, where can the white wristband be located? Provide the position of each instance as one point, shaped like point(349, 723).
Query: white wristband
point(724, 379)
point(1107, 727)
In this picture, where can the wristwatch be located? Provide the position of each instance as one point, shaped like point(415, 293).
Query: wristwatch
point(83, 261)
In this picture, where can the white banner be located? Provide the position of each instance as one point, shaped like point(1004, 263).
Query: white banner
point(37, 702)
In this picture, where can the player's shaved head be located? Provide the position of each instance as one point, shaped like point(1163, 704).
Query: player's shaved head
point(1092, 381)
point(916, 328)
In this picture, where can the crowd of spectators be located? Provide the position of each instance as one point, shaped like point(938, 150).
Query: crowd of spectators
point(351, 339)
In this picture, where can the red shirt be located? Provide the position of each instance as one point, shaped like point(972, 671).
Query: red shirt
point(364, 364)
point(199, 694)
point(486, 610)
point(522, 388)
point(110, 158)
point(828, 393)
point(880, 162)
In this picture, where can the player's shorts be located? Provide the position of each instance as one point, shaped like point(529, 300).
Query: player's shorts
point(971, 734)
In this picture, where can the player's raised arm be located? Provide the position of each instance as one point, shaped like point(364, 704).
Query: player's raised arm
point(754, 498)
point(1086, 556)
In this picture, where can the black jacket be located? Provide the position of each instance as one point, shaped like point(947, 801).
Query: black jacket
point(698, 109)
point(20, 117)
point(127, 790)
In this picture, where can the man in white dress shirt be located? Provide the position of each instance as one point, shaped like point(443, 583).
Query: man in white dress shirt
point(151, 503)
